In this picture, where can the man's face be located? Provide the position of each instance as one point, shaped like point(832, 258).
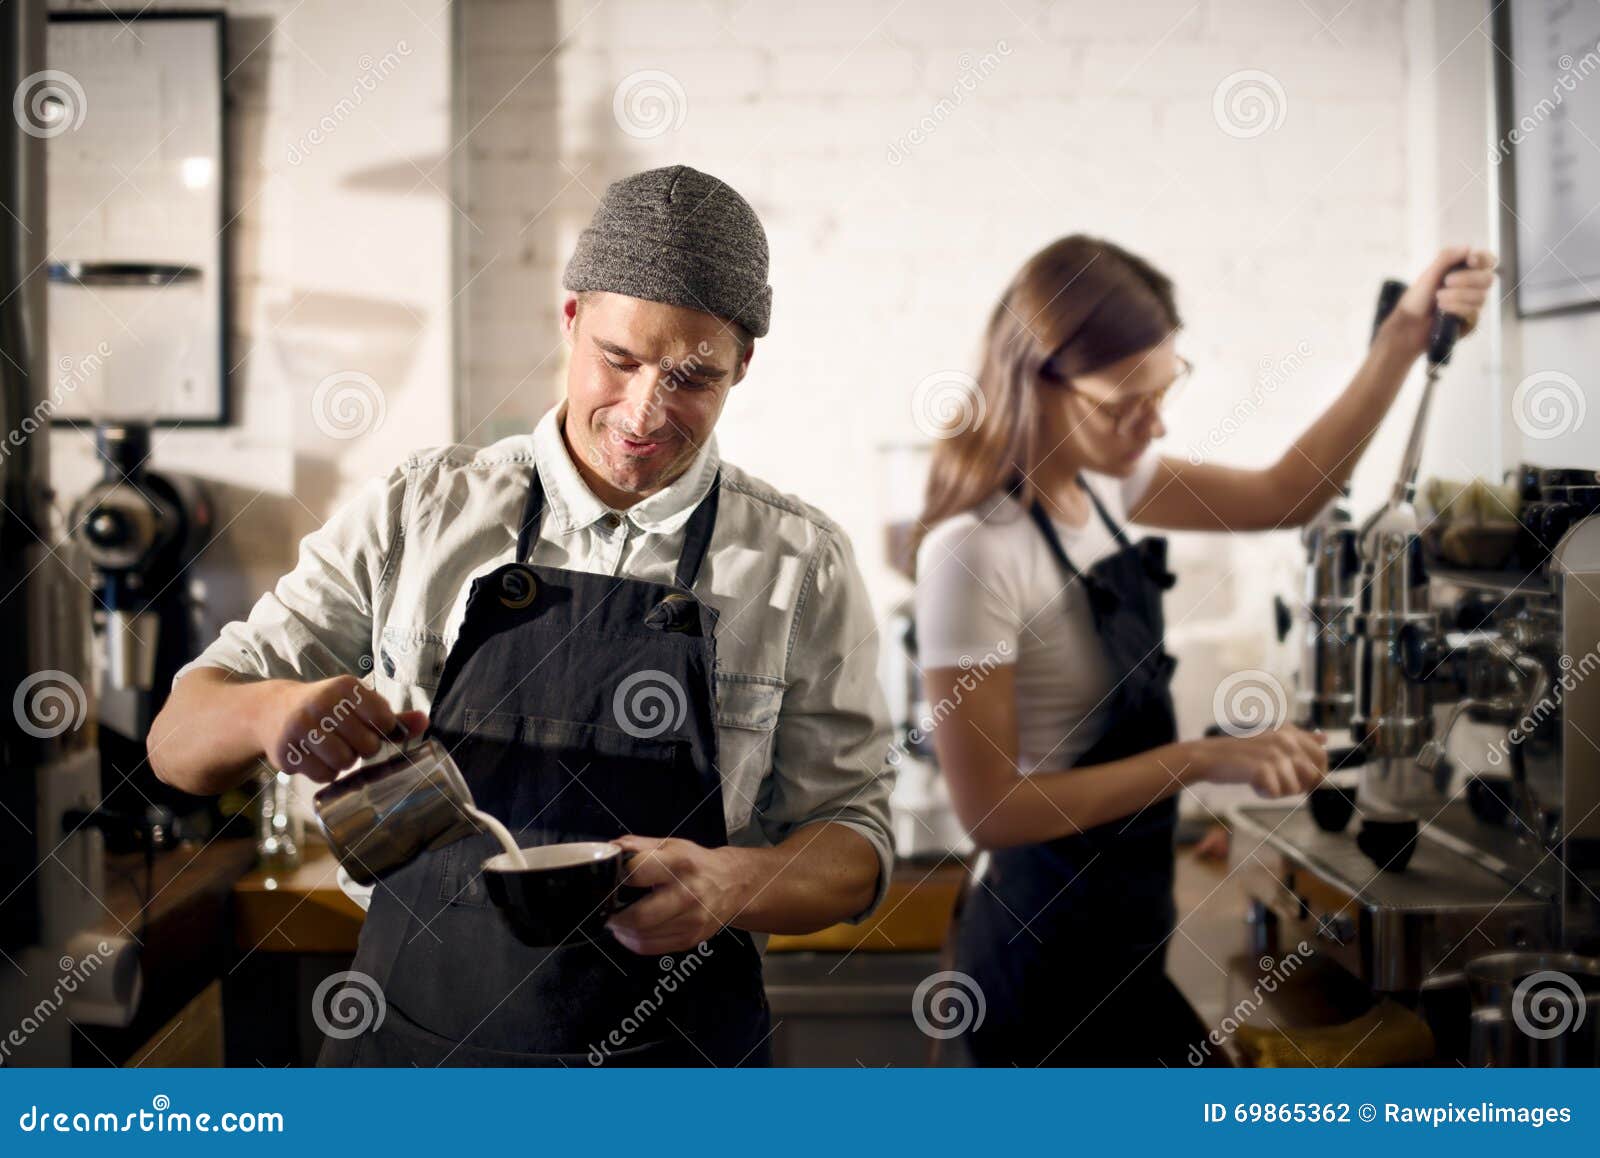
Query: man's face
point(645, 386)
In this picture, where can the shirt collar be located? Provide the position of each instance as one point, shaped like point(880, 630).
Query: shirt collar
point(575, 506)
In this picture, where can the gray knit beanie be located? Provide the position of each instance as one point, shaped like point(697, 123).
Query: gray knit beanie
point(679, 236)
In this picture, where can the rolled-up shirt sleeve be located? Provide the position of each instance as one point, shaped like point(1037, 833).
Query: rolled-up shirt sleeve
point(830, 761)
point(316, 622)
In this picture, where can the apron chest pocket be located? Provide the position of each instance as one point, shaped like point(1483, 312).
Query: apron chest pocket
point(748, 707)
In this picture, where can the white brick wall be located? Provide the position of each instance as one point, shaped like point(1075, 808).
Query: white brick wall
point(1096, 116)
point(889, 243)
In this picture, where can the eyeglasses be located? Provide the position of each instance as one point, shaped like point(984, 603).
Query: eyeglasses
point(1128, 411)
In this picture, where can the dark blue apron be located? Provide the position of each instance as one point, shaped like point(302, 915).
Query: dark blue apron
point(1067, 939)
point(531, 704)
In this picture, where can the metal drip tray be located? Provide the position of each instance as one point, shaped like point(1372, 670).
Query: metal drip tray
point(1438, 877)
point(1394, 930)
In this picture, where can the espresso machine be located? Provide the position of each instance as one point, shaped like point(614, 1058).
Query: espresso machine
point(1323, 622)
point(1469, 845)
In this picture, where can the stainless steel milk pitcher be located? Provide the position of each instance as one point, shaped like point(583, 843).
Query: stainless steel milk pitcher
point(384, 815)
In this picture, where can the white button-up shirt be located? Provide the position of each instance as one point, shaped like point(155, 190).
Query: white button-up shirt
point(380, 592)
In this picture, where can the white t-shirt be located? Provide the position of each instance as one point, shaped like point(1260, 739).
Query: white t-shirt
point(987, 585)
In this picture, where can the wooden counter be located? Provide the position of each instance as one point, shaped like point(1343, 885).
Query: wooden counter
point(305, 911)
point(291, 932)
point(301, 911)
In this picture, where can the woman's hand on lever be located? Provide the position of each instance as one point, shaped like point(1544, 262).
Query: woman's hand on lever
point(1198, 495)
point(1283, 762)
point(1443, 287)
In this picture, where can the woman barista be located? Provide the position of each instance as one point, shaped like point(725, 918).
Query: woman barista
point(1061, 751)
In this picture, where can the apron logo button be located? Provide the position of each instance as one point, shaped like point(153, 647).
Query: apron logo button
point(518, 588)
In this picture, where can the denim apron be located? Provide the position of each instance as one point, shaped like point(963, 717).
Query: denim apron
point(579, 707)
point(1067, 938)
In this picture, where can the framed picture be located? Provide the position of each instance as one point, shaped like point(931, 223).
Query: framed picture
point(131, 107)
point(1547, 94)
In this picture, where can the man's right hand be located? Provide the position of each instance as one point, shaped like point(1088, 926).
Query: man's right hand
point(320, 729)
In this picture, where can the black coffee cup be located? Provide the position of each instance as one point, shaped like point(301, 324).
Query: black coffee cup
point(562, 892)
point(1332, 806)
point(1388, 843)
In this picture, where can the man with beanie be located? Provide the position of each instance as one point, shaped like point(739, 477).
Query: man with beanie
point(624, 643)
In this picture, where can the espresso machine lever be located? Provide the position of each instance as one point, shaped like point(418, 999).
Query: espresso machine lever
point(1441, 342)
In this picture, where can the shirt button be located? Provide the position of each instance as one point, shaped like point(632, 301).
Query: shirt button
point(611, 521)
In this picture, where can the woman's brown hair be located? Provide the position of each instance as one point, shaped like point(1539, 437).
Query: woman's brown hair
point(1075, 307)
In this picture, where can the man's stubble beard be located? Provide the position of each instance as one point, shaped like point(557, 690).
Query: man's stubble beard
point(618, 476)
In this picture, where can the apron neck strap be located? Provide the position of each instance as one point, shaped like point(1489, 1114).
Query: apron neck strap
point(1105, 516)
point(697, 535)
point(532, 508)
point(1041, 519)
point(1047, 528)
point(696, 532)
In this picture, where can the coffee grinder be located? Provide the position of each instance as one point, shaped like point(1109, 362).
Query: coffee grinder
point(140, 529)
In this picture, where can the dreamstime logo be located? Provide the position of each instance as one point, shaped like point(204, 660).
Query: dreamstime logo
point(1270, 377)
point(49, 103)
point(347, 405)
point(325, 728)
point(973, 673)
point(348, 1004)
point(1273, 974)
point(373, 73)
point(73, 974)
point(674, 974)
point(1548, 404)
point(675, 374)
point(948, 1004)
point(48, 703)
point(1573, 672)
point(947, 403)
point(1249, 103)
point(1548, 1004)
point(649, 103)
point(973, 73)
point(1572, 71)
point(1250, 702)
point(649, 703)
point(73, 374)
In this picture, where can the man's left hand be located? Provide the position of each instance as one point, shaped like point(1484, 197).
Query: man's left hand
point(694, 892)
